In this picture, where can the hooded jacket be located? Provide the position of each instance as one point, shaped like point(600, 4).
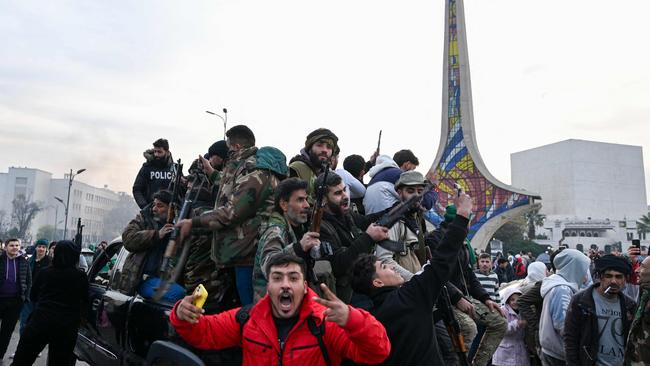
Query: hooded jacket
point(512, 350)
point(572, 271)
point(153, 176)
point(24, 274)
point(381, 193)
point(61, 290)
point(243, 205)
point(363, 339)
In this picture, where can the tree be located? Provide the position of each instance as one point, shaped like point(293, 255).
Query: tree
point(533, 219)
point(23, 213)
point(4, 225)
point(643, 225)
point(512, 231)
point(46, 232)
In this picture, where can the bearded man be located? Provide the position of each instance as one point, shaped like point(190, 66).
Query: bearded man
point(319, 148)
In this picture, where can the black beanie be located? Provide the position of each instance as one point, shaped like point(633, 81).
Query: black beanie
point(219, 148)
point(163, 196)
point(613, 262)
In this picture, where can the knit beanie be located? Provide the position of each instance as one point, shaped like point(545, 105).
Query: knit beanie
point(321, 134)
point(612, 262)
point(219, 148)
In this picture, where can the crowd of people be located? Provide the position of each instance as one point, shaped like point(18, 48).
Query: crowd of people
point(48, 292)
point(304, 263)
point(413, 292)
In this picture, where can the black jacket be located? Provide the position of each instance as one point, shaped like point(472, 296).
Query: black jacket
point(24, 275)
point(152, 177)
point(61, 290)
point(406, 312)
point(462, 275)
point(505, 274)
point(348, 239)
point(581, 332)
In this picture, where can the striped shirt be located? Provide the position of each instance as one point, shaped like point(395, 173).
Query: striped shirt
point(490, 283)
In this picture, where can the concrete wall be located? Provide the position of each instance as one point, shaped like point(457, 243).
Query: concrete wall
point(584, 179)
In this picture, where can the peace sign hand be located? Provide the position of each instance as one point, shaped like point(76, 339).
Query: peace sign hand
point(337, 311)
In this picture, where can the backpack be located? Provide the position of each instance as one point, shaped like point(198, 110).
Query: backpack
point(318, 331)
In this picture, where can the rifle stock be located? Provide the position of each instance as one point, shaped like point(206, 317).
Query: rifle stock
point(169, 275)
point(453, 328)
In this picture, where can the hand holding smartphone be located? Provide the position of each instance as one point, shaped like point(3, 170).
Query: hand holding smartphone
point(200, 295)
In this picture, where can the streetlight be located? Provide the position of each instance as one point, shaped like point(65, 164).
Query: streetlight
point(56, 217)
point(67, 205)
point(225, 120)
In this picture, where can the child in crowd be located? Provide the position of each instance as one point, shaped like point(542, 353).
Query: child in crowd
point(512, 349)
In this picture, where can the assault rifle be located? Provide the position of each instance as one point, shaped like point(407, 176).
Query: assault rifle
point(78, 238)
point(394, 215)
point(379, 142)
point(321, 192)
point(167, 276)
point(453, 328)
point(173, 206)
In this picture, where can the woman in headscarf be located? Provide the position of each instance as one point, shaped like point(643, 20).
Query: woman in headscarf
point(60, 293)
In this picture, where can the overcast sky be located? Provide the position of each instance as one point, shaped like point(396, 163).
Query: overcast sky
point(91, 84)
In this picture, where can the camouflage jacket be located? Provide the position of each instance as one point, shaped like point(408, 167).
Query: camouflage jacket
point(638, 342)
point(138, 237)
point(243, 205)
point(277, 237)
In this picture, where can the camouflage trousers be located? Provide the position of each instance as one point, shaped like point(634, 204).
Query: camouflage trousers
point(495, 325)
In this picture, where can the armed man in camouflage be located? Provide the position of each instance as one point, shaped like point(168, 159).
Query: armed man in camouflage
point(638, 342)
point(243, 205)
point(286, 225)
point(318, 150)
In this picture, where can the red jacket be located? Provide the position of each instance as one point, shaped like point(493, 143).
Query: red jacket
point(362, 340)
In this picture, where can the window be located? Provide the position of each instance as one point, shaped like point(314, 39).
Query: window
point(580, 247)
point(21, 181)
point(608, 249)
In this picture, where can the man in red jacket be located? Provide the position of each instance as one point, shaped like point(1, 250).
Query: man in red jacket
point(288, 326)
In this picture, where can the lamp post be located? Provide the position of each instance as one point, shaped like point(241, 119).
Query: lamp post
point(67, 205)
point(225, 120)
point(56, 218)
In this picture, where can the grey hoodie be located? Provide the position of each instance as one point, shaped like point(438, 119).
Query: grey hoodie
point(572, 272)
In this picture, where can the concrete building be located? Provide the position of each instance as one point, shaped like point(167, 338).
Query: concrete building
point(91, 204)
point(593, 192)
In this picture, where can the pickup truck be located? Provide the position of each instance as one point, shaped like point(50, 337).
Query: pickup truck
point(120, 329)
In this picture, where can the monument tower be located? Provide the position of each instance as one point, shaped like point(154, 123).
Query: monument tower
point(458, 160)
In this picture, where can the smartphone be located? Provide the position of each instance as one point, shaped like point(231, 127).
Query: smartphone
point(202, 296)
point(458, 189)
point(636, 243)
